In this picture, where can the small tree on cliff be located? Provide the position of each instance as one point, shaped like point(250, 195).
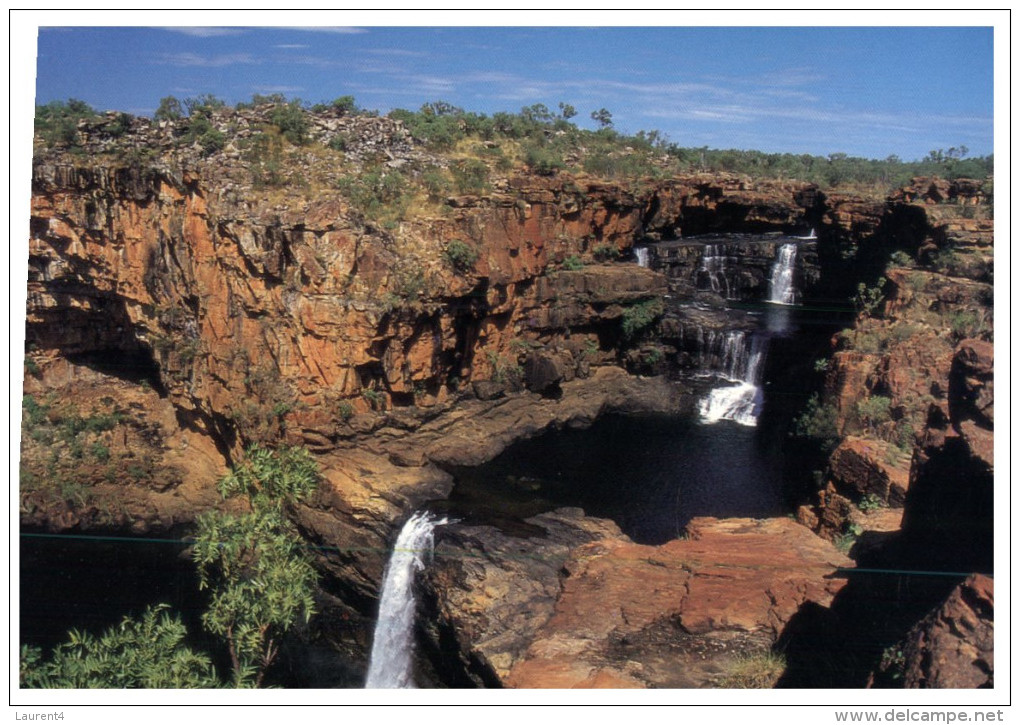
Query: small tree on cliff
point(261, 578)
point(602, 117)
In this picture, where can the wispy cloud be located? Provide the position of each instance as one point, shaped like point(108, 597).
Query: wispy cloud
point(290, 46)
point(277, 89)
point(340, 30)
point(205, 32)
point(200, 61)
point(401, 52)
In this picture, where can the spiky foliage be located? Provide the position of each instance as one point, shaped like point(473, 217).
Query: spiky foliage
point(272, 478)
point(148, 652)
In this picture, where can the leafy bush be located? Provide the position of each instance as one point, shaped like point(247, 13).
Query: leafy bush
point(818, 421)
point(639, 316)
point(292, 121)
point(965, 323)
point(901, 259)
point(871, 502)
point(460, 255)
point(147, 653)
point(543, 160)
point(868, 299)
point(57, 122)
point(573, 263)
point(271, 478)
point(873, 411)
point(170, 109)
point(379, 194)
point(470, 176)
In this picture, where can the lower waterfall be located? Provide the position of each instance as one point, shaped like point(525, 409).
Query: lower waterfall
point(390, 663)
point(641, 255)
point(742, 399)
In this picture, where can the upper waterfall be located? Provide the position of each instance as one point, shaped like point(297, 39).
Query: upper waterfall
point(782, 286)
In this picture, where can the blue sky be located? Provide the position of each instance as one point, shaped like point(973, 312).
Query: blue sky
point(862, 91)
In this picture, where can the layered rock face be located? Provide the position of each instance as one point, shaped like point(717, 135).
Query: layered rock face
point(176, 316)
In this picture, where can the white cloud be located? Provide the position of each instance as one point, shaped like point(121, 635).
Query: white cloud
point(328, 29)
point(290, 46)
point(216, 61)
point(277, 89)
point(396, 51)
point(203, 32)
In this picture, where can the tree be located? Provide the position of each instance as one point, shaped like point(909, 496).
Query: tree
point(262, 580)
point(169, 109)
point(149, 652)
point(567, 111)
point(602, 117)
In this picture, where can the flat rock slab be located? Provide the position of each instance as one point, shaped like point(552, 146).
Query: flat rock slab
point(607, 612)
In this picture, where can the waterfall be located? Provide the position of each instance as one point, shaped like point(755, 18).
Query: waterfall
point(642, 256)
point(393, 643)
point(740, 366)
point(713, 263)
point(783, 291)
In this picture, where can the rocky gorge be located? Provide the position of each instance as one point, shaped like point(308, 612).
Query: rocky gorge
point(177, 314)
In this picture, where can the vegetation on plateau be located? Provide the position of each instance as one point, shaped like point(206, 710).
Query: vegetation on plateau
point(538, 138)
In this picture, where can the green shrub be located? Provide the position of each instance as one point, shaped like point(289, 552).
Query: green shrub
point(605, 252)
point(57, 122)
point(470, 176)
point(965, 323)
point(436, 184)
point(460, 255)
point(170, 109)
point(868, 299)
point(638, 317)
point(901, 259)
point(573, 263)
point(345, 410)
point(818, 422)
point(380, 195)
point(543, 160)
point(760, 670)
point(146, 653)
point(871, 502)
point(270, 478)
point(375, 398)
point(292, 121)
point(873, 411)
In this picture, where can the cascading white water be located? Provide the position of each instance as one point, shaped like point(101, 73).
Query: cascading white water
point(782, 290)
point(393, 643)
point(713, 263)
point(642, 256)
point(741, 400)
